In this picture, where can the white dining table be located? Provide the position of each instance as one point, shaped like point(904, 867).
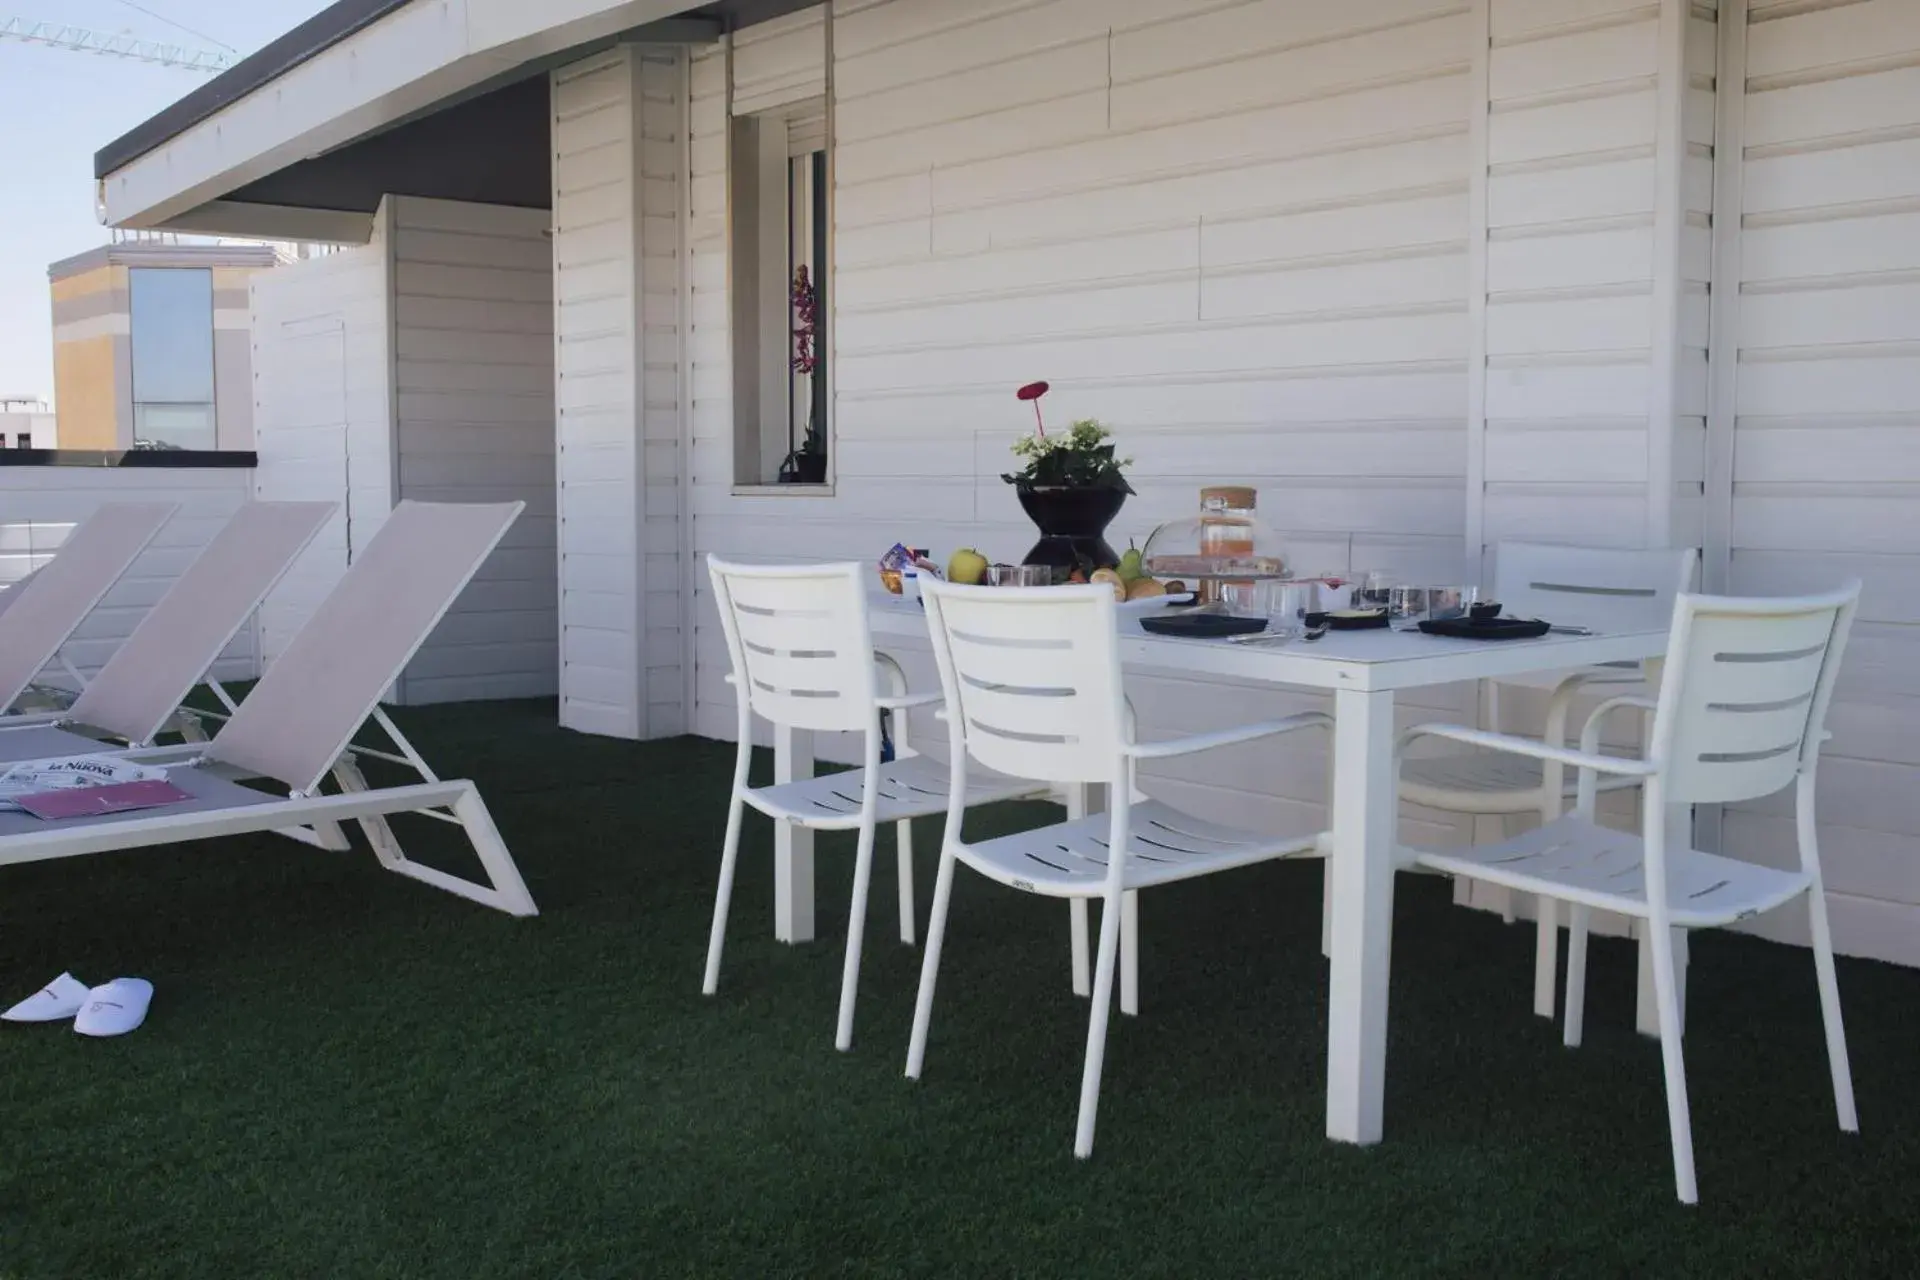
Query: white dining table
point(1364, 670)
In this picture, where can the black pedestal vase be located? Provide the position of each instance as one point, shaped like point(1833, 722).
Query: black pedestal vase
point(1072, 524)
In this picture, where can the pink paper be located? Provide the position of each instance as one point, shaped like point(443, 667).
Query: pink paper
point(94, 802)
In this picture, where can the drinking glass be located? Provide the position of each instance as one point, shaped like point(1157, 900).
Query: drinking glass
point(1375, 589)
point(1244, 599)
point(1336, 589)
point(1406, 606)
point(1287, 604)
point(1019, 575)
point(1451, 602)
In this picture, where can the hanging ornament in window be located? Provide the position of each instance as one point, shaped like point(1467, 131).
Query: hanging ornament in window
point(805, 317)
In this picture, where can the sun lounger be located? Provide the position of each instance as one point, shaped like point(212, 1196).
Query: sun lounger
point(296, 726)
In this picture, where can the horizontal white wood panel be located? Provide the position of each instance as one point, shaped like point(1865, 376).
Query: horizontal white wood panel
point(1853, 104)
point(1599, 189)
point(1582, 59)
point(1572, 260)
point(1593, 124)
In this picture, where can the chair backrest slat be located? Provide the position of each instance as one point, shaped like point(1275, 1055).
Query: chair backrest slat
point(802, 656)
point(59, 597)
point(1602, 586)
point(1033, 676)
point(1745, 693)
point(181, 637)
point(305, 710)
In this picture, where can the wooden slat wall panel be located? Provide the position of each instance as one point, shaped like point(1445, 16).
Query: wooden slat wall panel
point(620, 154)
point(474, 411)
point(1572, 194)
point(1827, 425)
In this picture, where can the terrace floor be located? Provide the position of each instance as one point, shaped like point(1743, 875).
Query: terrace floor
point(346, 1074)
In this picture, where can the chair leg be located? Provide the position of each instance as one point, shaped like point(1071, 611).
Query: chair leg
point(903, 842)
point(1130, 953)
point(723, 899)
point(1082, 966)
point(1679, 1124)
point(1079, 802)
point(1097, 1027)
point(856, 934)
point(1830, 1011)
point(930, 965)
point(1578, 918)
point(1546, 955)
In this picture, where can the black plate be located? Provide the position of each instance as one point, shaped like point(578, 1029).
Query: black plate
point(1202, 626)
point(1487, 628)
point(1374, 619)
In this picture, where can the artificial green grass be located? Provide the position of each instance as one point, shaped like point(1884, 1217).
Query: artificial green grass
point(348, 1074)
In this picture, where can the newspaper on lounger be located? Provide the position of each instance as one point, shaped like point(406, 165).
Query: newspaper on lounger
point(38, 777)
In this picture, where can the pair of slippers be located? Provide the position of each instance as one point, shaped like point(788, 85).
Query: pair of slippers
point(109, 1010)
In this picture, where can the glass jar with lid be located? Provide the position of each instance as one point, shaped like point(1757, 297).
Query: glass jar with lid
point(1226, 542)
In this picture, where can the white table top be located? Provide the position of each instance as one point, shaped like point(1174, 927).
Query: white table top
point(1367, 661)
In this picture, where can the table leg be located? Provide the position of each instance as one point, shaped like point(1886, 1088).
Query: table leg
point(1646, 1014)
point(1362, 866)
point(792, 845)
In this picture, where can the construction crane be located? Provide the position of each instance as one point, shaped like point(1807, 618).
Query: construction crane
point(55, 35)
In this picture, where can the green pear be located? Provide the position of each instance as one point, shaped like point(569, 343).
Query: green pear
point(1130, 567)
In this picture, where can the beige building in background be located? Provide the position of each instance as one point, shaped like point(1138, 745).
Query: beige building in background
point(151, 345)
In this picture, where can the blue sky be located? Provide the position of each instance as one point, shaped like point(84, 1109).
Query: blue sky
point(57, 109)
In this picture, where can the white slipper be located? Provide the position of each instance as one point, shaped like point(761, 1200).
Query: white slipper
point(115, 1008)
point(55, 1002)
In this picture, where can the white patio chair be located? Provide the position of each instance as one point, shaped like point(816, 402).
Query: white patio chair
point(136, 695)
point(1604, 588)
point(1033, 688)
point(803, 658)
point(49, 607)
point(297, 724)
point(1742, 702)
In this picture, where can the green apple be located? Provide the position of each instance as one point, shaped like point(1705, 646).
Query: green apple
point(967, 567)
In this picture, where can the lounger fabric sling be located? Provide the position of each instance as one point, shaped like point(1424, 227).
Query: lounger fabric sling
point(140, 688)
point(51, 606)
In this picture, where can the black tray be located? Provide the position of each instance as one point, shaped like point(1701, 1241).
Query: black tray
point(1202, 626)
point(1487, 628)
point(1373, 621)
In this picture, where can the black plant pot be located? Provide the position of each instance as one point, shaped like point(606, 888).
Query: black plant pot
point(1072, 524)
point(804, 468)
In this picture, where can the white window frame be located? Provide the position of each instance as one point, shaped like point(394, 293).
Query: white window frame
point(773, 210)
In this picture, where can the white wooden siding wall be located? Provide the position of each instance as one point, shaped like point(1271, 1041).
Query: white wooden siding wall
point(39, 507)
point(1825, 463)
point(1590, 396)
point(472, 305)
point(1238, 237)
point(323, 394)
point(620, 154)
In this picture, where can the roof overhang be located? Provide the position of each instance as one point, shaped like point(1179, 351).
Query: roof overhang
point(359, 69)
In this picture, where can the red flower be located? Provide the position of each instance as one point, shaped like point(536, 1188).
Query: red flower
point(1033, 391)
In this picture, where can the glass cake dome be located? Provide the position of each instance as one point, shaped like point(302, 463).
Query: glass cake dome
point(1226, 542)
